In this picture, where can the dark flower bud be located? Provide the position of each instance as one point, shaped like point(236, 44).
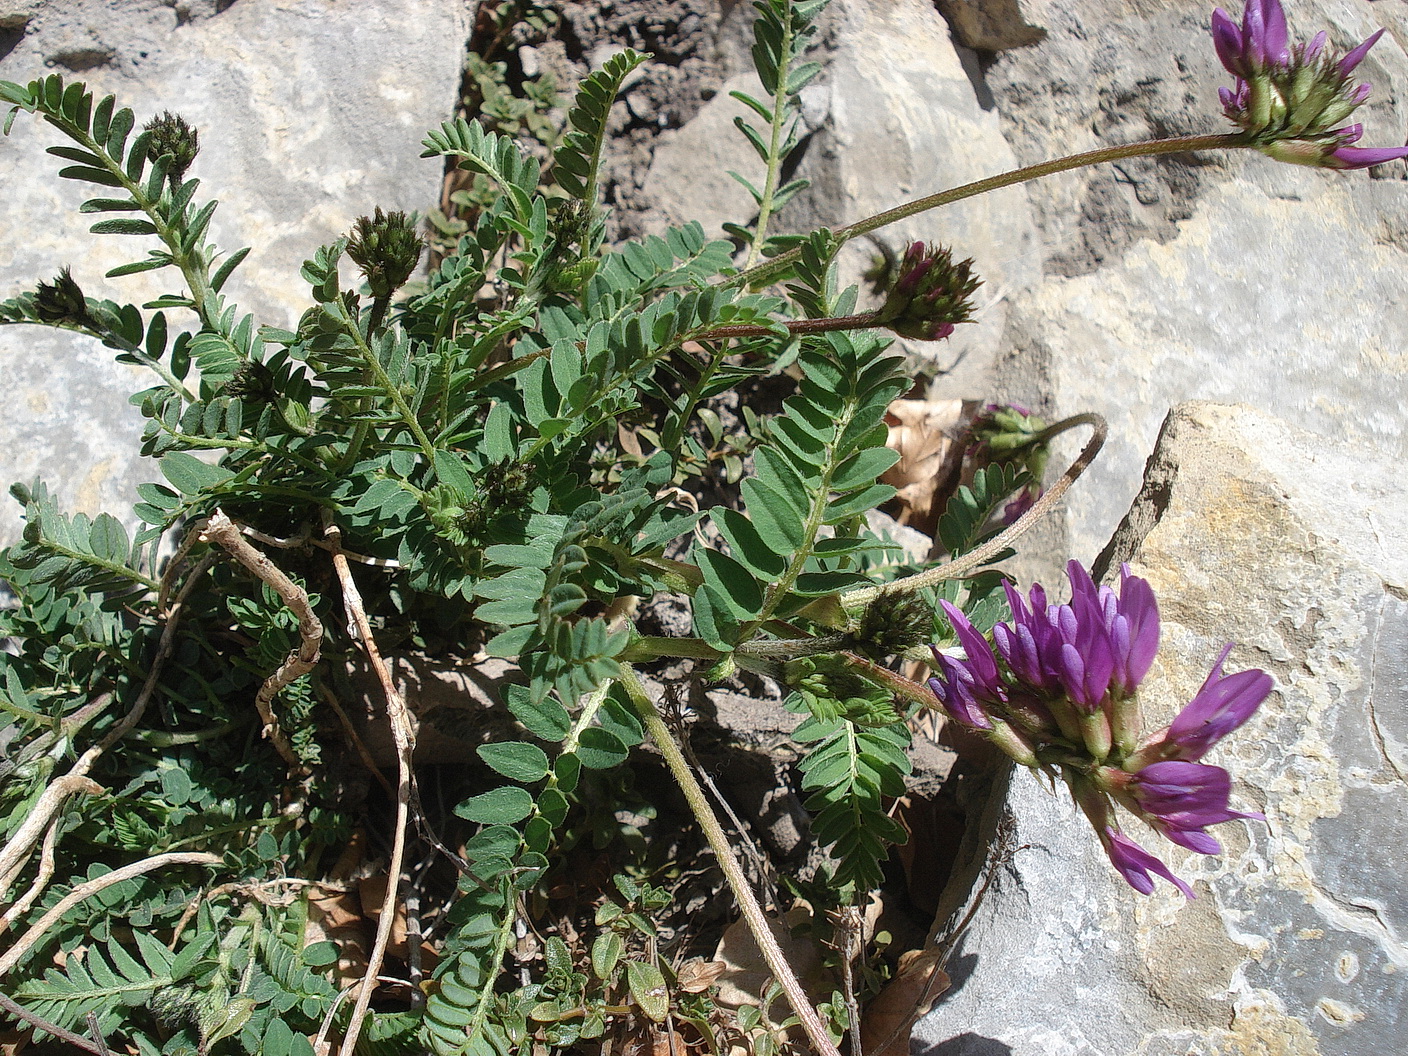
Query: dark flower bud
point(171, 135)
point(252, 381)
point(930, 296)
point(387, 249)
point(892, 625)
point(61, 301)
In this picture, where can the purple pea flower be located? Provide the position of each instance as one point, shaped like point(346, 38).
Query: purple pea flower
point(1135, 864)
point(1293, 100)
point(958, 692)
point(1030, 645)
point(1182, 799)
point(1222, 704)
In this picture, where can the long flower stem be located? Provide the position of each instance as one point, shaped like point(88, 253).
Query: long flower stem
point(713, 832)
point(761, 273)
point(862, 321)
point(961, 566)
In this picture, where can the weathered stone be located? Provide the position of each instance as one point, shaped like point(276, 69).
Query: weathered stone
point(310, 115)
point(1226, 276)
point(1295, 547)
point(903, 122)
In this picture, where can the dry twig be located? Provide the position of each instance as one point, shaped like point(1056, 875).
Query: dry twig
point(52, 799)
point(87, 890)
point(403, 735)
point(78, 1041)
point(224, 532)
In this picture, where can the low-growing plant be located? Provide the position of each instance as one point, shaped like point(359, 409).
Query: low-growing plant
point(504, 465)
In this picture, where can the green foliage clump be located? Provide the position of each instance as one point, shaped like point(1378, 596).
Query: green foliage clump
point(508, 475)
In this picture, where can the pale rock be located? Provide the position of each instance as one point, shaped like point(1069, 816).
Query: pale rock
point(689, 178)
point(310, 114)
point(1224, 277)
point(1296, 548)
point(901, 121)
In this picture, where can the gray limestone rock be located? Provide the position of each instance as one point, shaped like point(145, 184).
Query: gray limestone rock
point(311, 114)
point(901, 120)
point(1221, 276)
point(1295, 547)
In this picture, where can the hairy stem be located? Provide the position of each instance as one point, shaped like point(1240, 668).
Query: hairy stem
point(759, 274)
point(738, 883)
point(857, 599)
point(403, 734)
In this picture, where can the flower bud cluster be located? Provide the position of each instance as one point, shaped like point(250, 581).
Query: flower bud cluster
point(1294, 100)
point(930, 296)
point(386, 247)
point(170, 135)
point(62, 302)
point(1059, 694)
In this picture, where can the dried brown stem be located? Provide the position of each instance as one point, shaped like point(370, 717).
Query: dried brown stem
point(403, 735)
point(78, 1041)
point(53, 798)
point(41, 881)
point(225, 533)
point(87, 890)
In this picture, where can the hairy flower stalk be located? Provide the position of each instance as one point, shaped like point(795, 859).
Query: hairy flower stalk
point(1294, 100)
point(1060, 695)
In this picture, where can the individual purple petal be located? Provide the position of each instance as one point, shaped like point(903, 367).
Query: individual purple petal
point(1274, 36)
point(1219, 707)
point(1227, 39)
point(1194, 839)
point(1253, 33)
point(1350, 134)
point(1313, 48)
point(1135, 864)
point(1355, 57)
point(975, 646)
point(955, 693)
point(1363, 157)
point(1139, 640)
point(1181, 799)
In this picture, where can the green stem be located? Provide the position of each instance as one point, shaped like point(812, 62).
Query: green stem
point(756, 275)
point(650, 648)
point(204, 301)
point(713, 832)
point(383, 380)
point(810, 528)
point(795, 327)
point(495, 966)
point(779, 118)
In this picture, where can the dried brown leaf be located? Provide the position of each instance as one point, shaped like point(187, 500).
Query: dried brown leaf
point(890, 1017)
point(926, 434)
point(697, 975)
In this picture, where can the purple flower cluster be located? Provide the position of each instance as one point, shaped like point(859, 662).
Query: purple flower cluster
point(1293, 99)
point(930, 296)
point(1059, 694)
